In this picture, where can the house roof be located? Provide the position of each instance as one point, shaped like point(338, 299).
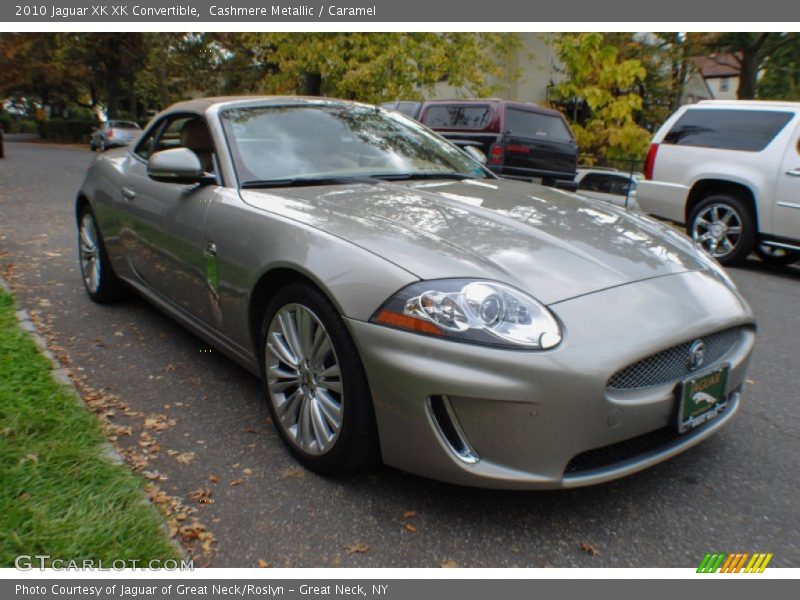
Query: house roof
point(717, 65)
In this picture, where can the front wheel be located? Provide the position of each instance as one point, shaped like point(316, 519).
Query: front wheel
point(723, 227)
point(778, 257)
point(315, 383)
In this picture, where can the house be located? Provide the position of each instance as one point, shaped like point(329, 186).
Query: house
point(720, 72)
point(535, 61)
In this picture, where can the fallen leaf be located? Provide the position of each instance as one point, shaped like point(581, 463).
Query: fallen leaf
point(201, 496)
point(262, 563)
point(170, 368)
point(411, 528)
point(213, 478)
point(448, 564)
point(237, 482)
point(250, 430)
point(357, 548)
point(247, 471)
point(293, 473)
point(589, 549)
point(185, 457)
point(409, 514)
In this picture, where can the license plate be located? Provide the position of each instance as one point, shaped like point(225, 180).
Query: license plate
point(701, 398)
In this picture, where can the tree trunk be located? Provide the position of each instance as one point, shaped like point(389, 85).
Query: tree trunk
point(312, 84)
point(748, 75)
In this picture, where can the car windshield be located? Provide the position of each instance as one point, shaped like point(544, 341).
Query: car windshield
point(325, 142)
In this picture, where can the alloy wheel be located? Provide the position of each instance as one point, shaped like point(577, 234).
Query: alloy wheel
point(304, 379)
point(89, 254)
point(717, 229)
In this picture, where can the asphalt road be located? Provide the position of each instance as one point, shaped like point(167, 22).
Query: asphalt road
point(736, 492)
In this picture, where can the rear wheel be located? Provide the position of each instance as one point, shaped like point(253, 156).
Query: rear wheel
point(779, 257)
point(99, 279)
point(315, 384)
point(723, 227)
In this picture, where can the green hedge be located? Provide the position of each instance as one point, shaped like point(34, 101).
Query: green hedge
point(13, 124)
point(64, 130)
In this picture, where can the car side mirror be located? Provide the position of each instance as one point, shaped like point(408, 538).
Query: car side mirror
point(176, 165)
point(476, 154)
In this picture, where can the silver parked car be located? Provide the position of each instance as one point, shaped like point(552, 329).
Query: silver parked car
point(402, 303)
point(113, 134)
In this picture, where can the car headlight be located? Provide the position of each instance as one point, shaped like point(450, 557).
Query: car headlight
point(476, 311)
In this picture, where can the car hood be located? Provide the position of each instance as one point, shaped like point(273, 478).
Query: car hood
point(553, 244)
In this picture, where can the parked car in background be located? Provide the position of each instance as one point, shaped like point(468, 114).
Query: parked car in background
point(521, 141)
point(401, 302)
point(409, 108)
point(609, 185)
point(112, 134)
point(730, 170)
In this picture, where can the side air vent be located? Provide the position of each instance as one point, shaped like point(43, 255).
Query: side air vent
point(447, 424)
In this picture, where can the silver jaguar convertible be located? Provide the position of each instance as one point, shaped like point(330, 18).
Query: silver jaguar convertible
point(403, 304)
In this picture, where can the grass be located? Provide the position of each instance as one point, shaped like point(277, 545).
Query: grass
point(59, 493)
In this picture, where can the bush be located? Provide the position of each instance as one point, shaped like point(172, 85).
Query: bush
point(66, 130)
point(23, 126)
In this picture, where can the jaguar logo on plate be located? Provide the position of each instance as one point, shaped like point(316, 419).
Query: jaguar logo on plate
point(697, 354)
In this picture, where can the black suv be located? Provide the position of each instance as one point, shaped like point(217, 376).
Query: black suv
point(520, 140)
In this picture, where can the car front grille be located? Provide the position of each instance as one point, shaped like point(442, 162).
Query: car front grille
point(672, 365)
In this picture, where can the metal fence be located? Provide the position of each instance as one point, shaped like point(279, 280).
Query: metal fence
point(631, 166)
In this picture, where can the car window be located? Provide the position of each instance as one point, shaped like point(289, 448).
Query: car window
point(171, 135)
point(607, 184)
point(527, 124)
point(409, 109)
point(748, 130)
point(447, 116)
point(123, 125)
point(284, 142)
point(145, 146)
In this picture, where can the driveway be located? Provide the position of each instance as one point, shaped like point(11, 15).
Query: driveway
point(199, 429)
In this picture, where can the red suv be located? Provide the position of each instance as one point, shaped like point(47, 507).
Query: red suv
point(520, 140)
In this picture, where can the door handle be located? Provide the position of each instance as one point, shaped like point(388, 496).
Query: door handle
point(794, 172)
point(128, 193)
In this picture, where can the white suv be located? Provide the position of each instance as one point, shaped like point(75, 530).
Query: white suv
point(729, 170)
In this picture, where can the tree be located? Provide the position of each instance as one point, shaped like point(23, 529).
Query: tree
point(781, 80)
point(375, 67)
point(36, 70)
point(751, 51)
point(608, 87)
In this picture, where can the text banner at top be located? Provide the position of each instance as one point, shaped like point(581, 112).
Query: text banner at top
point(444, 11)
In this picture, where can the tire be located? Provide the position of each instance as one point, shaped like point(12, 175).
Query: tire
point(724, 227)
point(327, 422)
point(777, 257)
point(99, 279)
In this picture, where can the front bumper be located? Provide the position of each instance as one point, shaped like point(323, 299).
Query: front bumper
point(527, 415)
